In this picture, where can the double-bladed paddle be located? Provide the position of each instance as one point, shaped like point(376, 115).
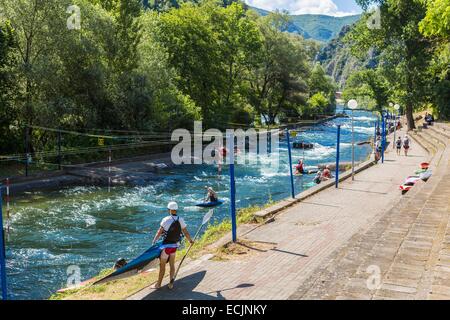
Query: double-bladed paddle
point(206, 219)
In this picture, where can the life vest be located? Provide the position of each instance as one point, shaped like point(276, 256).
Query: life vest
point(406, 142)
point(223, 152)
point(173, 235)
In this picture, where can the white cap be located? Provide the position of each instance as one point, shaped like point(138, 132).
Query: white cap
point(172, 206)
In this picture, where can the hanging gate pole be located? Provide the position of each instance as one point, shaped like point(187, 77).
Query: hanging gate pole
point(338, 151)
point(290, 164)
point(383, 138)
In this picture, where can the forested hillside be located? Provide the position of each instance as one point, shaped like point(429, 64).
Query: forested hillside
point(318, 27)
point(339, 62)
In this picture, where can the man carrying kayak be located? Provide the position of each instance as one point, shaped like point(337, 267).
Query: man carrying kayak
point(171, 229)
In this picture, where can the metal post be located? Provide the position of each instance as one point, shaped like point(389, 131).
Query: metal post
point(338, 151)
point(353, 149)
point(290, 164)
point(395, 129)
point(383, 137)
point(230, 142)
point(2, 251)
point(59, 150)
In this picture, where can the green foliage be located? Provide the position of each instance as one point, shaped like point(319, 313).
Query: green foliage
point(277, 83)
point(436, 25)
point(8, 113)
point(437, 19)
point(369, 84)
point(405, 52)
point(317, 104)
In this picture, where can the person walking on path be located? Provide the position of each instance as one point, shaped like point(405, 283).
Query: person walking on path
point(398, 145)
point(378, 149)
point(171, 229)
point(406, 145)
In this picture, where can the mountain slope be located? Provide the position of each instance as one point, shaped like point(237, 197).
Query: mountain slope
point(318, 27)
point(339, 63)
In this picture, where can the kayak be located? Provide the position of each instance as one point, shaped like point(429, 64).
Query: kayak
point(426, 175)
point(406, 187)
point(141, 263)
point(210, 204)
point(412, 179)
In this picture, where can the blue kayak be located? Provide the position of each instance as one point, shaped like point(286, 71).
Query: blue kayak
point(210, 204)
point(137, 265)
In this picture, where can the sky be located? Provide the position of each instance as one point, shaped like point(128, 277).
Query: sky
point(336, 8)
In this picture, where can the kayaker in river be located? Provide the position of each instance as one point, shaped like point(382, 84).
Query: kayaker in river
point(326, 175)
point(299, 168)
point(171, 229)
point(211, 196)
point(318, 177)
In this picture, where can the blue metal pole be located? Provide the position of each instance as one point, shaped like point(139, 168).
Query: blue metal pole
point(290, 163)
point(232, 187)
point(383, 137)
point(2, 251)
point(338, 152)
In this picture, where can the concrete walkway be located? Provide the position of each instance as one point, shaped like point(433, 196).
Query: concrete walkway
point(318, 247)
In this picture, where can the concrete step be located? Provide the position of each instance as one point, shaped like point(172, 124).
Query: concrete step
point(443, 133)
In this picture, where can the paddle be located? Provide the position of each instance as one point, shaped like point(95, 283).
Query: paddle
point(206, 219)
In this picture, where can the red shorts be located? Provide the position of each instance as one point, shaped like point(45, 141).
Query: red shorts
point(170, 251)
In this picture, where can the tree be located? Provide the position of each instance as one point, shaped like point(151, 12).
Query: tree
point(277, 84)
point(37, 33)
point(368, 83)
point(8, 114)
point(405, 51)
point(436, 26)
point(319, 82)
point(210, 46)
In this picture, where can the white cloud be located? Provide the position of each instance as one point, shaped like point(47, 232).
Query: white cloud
point(326, 7)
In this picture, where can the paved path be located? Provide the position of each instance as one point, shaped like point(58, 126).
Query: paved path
point(318, 241)
point(404, 255)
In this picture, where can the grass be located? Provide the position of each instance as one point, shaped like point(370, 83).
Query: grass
point(121, 289)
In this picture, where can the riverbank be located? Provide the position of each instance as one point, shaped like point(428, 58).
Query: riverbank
point(131, 171)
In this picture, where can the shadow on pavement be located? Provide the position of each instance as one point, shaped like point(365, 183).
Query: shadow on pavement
point(184, 290)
